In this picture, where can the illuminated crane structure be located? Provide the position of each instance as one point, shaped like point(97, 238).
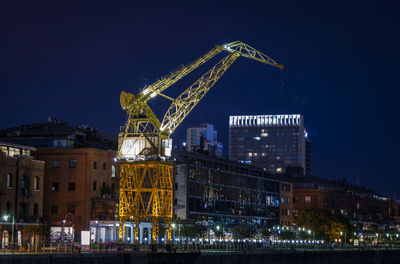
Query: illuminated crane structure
point(144, 143)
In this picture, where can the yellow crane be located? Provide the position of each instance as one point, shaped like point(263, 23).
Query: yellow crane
point(144, 144)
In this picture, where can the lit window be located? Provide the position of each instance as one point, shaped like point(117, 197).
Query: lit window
point(278, 157)
point(307, 199)
point(255, 154)
point(250, 154)
point(9, 180)
point(54, 186)
point(263, 154)
point(278, 170)
point(36, 183)
point(264, 134)
point(113, 171)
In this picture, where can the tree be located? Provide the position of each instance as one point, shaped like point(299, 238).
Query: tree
point(192, 230)
point(243, 231)
point(324, 224)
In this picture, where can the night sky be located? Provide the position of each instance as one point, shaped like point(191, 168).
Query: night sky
point(70, 60)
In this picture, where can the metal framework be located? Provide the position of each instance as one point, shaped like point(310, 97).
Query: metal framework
point(146, 190)
point(146, 195)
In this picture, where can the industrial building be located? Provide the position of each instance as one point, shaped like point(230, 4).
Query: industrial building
point(272, 142)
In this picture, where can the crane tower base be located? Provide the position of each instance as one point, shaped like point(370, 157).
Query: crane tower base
point(146, 195)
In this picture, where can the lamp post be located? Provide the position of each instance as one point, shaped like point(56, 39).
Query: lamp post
point(173, 232)
point(63, 231)
point(5, 217)
point(341, 233)
point(97, 232)
point(217, 229)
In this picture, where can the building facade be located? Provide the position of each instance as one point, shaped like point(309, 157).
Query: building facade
point(56, 133)
point(272, 142)
point(213, 190)
point(203, 138)
point(366, 209)
point(80, 186)
point(21, 191)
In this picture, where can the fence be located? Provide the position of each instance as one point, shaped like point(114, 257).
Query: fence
point(64, 248)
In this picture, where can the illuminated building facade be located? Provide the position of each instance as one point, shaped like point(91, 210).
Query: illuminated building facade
point(214, 190)
point(272, 142)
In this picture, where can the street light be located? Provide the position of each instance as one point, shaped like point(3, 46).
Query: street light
point(63, 231)
point(5, 217)
point(341, 233)
point(97, 232)
point(173, 232)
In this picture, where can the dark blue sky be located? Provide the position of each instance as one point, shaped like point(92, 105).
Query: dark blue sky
point(70, 60)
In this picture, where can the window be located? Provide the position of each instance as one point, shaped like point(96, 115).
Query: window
point(35, 209)
point(72, 163)
point(8, 205)
point(55, 163)
point(54, 209)
point(71, 186)
point(104, 166)
point(307, 199)
point(113, 171)
point(9, 180)
point(94, 186)
point(176, 186)
point(71, 208)
point(36, 183)
point(95, 165)
point(54, 186)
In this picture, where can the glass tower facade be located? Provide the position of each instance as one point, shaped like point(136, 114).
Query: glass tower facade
point(213, 190)
point(272, 142)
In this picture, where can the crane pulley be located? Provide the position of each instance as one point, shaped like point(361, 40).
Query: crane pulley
point(144, 136)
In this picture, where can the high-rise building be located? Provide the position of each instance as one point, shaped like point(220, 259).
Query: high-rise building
point(203, 138)
point(272, 142)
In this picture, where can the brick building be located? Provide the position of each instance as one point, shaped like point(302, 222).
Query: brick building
point(286, 205)
point(366, 209)
point(21, 191)
point(80, 185)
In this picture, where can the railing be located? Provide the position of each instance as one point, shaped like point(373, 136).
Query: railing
point(71, 248)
